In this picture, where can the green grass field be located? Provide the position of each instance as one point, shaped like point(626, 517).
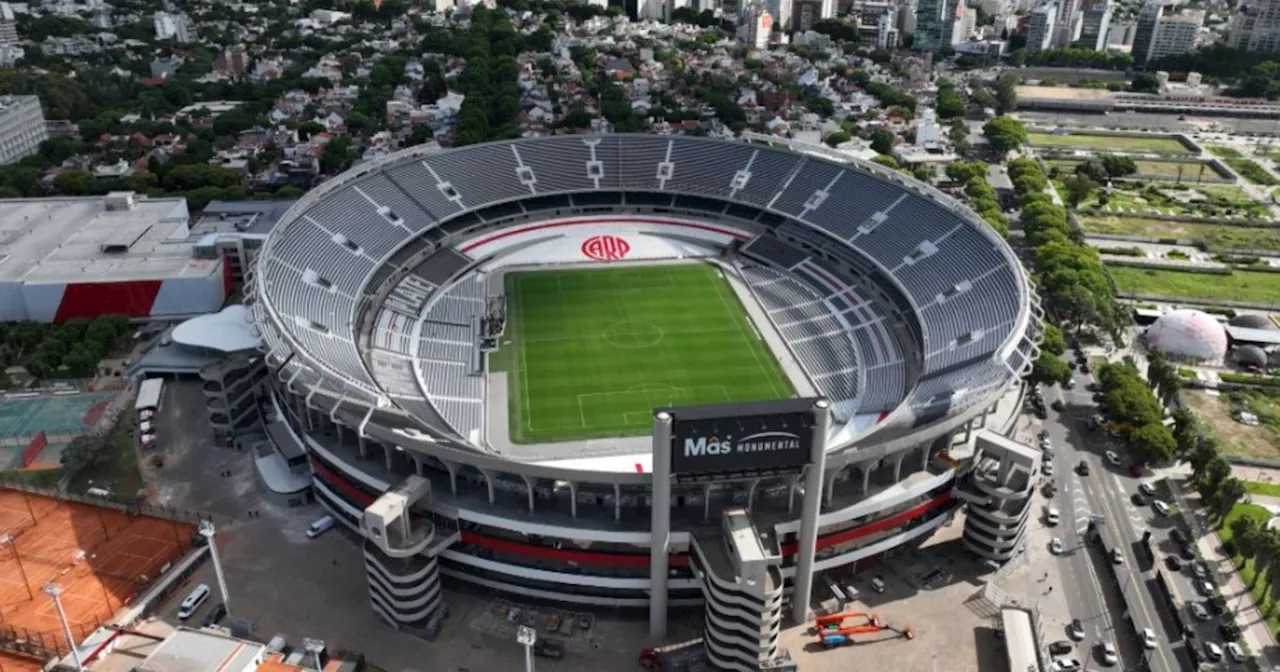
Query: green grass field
point(591, 353)
point(1192, 171)
point(1112, 143)
point(1216, 236)
point(1260, 287)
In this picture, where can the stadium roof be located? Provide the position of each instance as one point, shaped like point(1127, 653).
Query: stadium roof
point(203, 651)
point(228, 330)
point(96, 239)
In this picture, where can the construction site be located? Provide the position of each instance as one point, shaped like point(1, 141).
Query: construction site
point(95, 558)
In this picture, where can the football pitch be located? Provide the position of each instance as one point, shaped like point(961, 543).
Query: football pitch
point(590, 353)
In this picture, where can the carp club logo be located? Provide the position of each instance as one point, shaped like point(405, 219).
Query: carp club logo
point(605, 248)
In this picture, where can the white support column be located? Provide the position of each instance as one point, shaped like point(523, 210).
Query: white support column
point(660, 525)
point(809, 512)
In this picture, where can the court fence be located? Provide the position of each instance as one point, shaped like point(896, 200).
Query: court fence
point(138, 508)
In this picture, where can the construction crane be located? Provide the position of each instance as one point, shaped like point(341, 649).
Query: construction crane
point(839, 629)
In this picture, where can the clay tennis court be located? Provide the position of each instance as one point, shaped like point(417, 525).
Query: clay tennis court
point(101, 557)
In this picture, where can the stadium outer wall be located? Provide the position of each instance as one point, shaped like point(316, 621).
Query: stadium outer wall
point(541, 532)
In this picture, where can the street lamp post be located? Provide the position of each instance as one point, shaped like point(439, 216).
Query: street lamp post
point(207, 531)
point(527, 636)
point(55, 591)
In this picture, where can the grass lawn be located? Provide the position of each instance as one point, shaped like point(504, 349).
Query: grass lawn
point(1257, 585)
point(37, 478)
point(1192, 171)
point(1237, 286)
point(591, 353)
point(1215, 236)
point(1224, 152)
point(1253, 172)
point(1264, 489)
point(1199, 200)
point(116, 468)
point(1214, 412)
point(1114, 143)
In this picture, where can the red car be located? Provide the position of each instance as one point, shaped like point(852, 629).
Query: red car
point(1135, 470)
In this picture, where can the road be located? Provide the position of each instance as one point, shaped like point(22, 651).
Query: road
point(1093, 596)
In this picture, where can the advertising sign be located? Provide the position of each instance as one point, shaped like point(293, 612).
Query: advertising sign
point(729, 438)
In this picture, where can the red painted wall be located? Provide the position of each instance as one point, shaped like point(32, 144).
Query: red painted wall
point(91, 299)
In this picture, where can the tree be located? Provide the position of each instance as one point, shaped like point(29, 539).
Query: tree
point(1146, 83)
point(1118, 166)
point(1006, 94)
point(82, 452)
point(1078, 188)
point(1004, 134)
point(882, 142)
point(1244, 532)
point(75, 183)
point(838, 137)
point(949, 103)
point(1053, 341)
point(1018, 58)
point(1151, 443)
point(1228, 494)
point(1049, 370)
point(1186, 433)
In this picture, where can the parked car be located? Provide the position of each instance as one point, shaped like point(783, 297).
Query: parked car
point(1046, 468)
point(1056, 547)
point(1199, 570)
point(1076, 629)
point(1082, 468)
point(1061, 648)
point(1148, 638)
point(1065, 665)
point(1147, 489)
point(1138, 499)
point(1160, 507)
point(1173, 563)
point(877, 584)
point(216, 614)
point(548, 648)
point(1113, 458)
point(1212, 651)
point(1235, 652)
point(1052, 516)
point(1117, 558)
point(1205, 587)
point(1107, 651)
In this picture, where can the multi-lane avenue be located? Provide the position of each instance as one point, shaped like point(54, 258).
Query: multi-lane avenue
point(1093, 584)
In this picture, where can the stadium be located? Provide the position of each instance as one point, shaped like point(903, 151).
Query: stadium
point(471, 345)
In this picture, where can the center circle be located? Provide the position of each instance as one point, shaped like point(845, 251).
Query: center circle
point(633, 335)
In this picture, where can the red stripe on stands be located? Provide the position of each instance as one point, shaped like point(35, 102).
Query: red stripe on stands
point(882, 416)
point(358, 496)
point(603, 220)
point(639, 468)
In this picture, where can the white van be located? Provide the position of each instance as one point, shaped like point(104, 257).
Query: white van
point(193, 602)
point(98, 492)
point(320, 527)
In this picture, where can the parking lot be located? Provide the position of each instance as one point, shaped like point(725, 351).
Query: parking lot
point(283, 582)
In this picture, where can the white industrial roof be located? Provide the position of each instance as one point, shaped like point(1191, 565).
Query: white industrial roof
point(203, 651)
point(52, 240)
point(228, 330)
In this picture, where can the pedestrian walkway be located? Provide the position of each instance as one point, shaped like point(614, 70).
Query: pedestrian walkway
point(1256, 635)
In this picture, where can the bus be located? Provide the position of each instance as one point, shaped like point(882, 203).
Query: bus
point(150, 394)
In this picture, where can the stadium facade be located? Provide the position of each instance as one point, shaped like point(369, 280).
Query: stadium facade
point(908, 316)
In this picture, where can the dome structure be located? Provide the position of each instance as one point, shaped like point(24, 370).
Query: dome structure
point(1252, 321)
point(1188, 334)
point(1249, 355)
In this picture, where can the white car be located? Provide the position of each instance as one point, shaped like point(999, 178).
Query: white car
point(1109, 656)
point(1113, 458)
point(877, 584)
point(1046, 468)
point(1160, 507)
point(1065, 665)
point(1148, 638)
point(1200, 613)
point(1235, 652)
point(1052, 516)
point(1056, 547)
point(1212, 651)
point(1147, 489)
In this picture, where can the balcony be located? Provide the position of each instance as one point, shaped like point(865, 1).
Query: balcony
point(399, 544)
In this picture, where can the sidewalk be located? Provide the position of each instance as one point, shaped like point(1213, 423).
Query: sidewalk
point(1257, 636)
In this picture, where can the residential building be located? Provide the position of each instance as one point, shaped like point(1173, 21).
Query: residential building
point(1144, 31)
point(173, 27)
point(1173, 35)
point(1256, 26)
point(21, 127)
point(805, 14)
point(931, 25)
point(1044, 21)
point(1067, 23)
point(1121, 33)
point(887, 36)
point(8, 25)
point(780, 10)
point(1094, 25)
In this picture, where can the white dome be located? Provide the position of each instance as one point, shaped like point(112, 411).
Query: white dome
point(1188, 334)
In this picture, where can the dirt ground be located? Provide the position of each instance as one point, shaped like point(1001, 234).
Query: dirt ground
point(1214, 412)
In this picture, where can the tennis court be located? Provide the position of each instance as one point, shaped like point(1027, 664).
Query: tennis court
point(101, 557)
point(71, 414)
